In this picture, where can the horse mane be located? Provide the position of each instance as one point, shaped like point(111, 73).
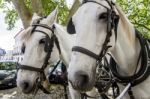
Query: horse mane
point(26, 33)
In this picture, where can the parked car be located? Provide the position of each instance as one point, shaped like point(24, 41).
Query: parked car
point(8, 75)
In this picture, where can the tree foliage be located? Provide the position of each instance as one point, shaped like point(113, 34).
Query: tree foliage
point(46, 7)
point(138, 11)
point(11, 14)
point(7, 65)
point(49, 5)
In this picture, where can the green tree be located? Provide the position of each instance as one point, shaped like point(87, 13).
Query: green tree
point(25, 9)
point(138, 11)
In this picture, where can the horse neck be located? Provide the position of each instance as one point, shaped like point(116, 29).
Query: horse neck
point(127, 48)
point(65, 42)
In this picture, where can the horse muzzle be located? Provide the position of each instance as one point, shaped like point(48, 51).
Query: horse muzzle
point(82, 81)
point(28, 87)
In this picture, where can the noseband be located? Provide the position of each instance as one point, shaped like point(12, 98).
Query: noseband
point(48, 49)
point(111, 24)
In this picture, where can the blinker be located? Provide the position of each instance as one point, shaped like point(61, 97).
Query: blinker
point(71, 27)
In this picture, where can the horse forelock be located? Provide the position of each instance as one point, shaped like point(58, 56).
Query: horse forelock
point(28, 32)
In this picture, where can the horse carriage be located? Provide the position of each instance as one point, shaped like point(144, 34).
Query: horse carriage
point(105, 52)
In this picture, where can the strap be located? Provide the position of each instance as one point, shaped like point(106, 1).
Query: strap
point(57, 44)
point(25, 67)
point(43, 25)
point(53, 35)
point(65, 90)
point(37, 22)
point(43, 89)
point(144, 70)
point(54, 68)
point(85, 51)
point(87, 1)
point(131, 93)
point(41, 32)
point(115, 88)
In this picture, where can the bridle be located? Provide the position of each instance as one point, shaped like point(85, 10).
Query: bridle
point(48, 49)
point(112, 23)
point(128, 81)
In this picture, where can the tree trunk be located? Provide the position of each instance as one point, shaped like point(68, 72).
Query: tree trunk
point(23, 12)
point(37, 7)
point(73, 9)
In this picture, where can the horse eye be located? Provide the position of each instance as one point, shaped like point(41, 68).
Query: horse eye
point(42, 41)
point(103, 16)
point(23, 49)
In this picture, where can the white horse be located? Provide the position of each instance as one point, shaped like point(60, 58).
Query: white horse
point(101, 26)
point(36, 46)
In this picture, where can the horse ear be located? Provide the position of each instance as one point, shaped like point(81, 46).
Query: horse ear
point(52, 17)
point(34, 17)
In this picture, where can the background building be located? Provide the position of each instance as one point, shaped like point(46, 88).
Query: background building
point(17, 55)
point(2, 51)
point(2, 54)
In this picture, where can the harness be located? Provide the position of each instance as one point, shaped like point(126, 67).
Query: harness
point(48, 49)
point(129, 81)
point(144, 70)
point(112, 23)
point(139, 76)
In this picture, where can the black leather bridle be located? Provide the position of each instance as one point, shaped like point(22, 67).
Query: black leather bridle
point(49, 44)
point(112, 23)
point(139, 75)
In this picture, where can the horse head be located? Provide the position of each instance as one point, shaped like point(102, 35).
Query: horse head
point(95, 24)
point(37, 46)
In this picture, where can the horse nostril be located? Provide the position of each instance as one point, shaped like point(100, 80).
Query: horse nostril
point(83, 78)
point(25, 85)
